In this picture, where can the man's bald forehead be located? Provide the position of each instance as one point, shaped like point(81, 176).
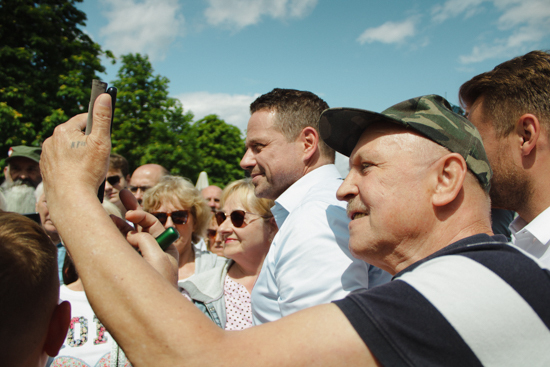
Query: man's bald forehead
point(148, 175)
point(155, 171)
point(210, 191)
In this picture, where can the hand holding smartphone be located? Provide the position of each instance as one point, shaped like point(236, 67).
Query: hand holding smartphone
point(99, 87)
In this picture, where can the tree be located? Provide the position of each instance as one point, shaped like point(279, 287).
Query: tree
point(46, 68)
point(149, 126)
point(221, 148)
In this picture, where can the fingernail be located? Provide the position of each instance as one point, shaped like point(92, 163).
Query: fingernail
point(105, 100)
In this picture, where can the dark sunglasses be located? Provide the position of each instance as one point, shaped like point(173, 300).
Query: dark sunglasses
point(135, 189)
point(113, 180)
point(178, 216)
point(237, 217)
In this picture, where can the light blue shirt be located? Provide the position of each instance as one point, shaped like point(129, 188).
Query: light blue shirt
point(61, 251)
point(533, 237)
point(309, 262)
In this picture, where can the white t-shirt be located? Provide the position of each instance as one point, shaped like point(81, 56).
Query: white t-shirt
point(88, 343)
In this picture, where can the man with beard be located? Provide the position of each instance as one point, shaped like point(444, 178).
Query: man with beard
point(24, 170)
point(510, 106)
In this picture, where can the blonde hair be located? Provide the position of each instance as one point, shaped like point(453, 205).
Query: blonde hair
point(180, 191)
point(244, 190)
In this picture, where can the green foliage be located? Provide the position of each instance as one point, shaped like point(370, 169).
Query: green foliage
point(221, 148)
point(149, 126)
point(46, 67)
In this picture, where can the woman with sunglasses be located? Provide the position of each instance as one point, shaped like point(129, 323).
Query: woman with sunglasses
point(177, 203)
point(246, 229)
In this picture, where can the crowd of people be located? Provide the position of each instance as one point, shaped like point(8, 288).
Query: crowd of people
point(398, 263)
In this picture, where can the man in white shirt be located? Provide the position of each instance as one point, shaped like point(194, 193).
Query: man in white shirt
point(510, 106)
point(309, 262)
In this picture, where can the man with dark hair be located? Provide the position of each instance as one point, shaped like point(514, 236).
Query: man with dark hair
point(510, 106)
point(309, 262)
point(118, 176)
point(33, 324)
point(418, 201)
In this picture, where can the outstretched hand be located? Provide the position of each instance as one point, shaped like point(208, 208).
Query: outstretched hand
point(71, 160)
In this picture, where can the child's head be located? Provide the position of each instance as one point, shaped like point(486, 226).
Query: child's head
point(33, 324)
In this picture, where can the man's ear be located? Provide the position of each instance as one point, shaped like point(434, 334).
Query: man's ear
point(451, 171)
point(57, 330)
point(309, 137)
point(528, 130)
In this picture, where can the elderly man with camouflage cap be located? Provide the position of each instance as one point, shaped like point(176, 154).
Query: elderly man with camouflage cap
point(417, 196)
point(24, 176)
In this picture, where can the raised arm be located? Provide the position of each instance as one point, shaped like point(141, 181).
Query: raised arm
point(150, 319)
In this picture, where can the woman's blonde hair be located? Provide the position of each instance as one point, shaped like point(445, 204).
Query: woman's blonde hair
point(244, 189)
point(180, 191)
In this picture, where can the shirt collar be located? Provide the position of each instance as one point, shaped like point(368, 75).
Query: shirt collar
point(292, 197)
point(538, 227)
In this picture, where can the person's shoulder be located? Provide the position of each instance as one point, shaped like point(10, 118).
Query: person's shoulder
point(206, 260)
point(208, 284)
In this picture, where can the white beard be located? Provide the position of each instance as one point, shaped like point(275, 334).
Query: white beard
point(20, 198)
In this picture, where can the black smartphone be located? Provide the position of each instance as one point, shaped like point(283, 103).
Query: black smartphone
point(99, 87)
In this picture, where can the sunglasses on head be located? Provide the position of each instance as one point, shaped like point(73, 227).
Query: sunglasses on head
point(113, 180)
point(178, 216)
point(237, 217)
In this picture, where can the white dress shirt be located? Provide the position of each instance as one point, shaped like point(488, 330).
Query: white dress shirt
point(533, 237)
point(309, 262)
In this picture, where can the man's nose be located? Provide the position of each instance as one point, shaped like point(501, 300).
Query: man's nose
point(347, 190)
point(248, 161)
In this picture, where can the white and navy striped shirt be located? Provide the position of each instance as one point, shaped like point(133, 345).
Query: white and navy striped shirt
point(477, 302)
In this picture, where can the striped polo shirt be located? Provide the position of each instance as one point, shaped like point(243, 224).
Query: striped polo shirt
point(477, 302)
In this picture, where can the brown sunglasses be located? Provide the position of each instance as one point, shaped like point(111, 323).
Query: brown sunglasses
point(178, 216)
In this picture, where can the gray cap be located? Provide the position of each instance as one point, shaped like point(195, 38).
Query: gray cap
point(430, 115)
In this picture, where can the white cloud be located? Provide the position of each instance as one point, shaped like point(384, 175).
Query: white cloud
point(147, 27)
point(453, 8)
point(526, 23)
point(232, 108)
point(389, 32)
point(237, 14)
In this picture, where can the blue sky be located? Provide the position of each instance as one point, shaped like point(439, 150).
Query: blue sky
point(221, 54)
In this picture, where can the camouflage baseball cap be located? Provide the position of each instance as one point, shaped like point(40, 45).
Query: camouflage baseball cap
point(430, 115)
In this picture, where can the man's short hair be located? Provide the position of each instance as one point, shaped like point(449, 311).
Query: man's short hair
point(511, 89)
point(118, 162)
point(29, 283)
point(295, 110)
